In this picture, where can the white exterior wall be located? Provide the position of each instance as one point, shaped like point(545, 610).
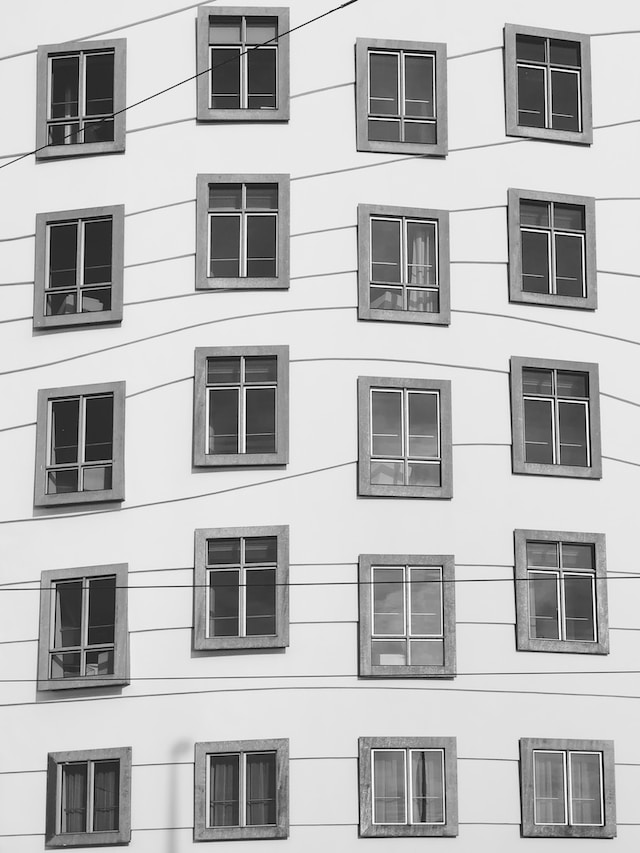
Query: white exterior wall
point(310, 693)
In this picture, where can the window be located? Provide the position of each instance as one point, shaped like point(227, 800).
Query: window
point(80, 444)
point(84, 641)
point(548, 84)
point(404, 439)
point(552, 254)
point(242, 790)
point(408, 787)
point(403, 264)
point(241, 588)
point(81, 98)
point(555, 415)
point(568, 788)
point(241, 406)
point(79, 267)
point(242, 232)
point(561, 592)
point(407, 616)
point(245, 61)
point(401, 97)
point(89, 798)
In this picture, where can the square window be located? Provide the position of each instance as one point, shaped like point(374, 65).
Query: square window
point(79, 267)
point(241, 588)
point(404, 438)
point(552, 252)
point(244, 52)
point(403, 264)
point(242, 232)
point(80, 444)
point(407, 616)
point(84, 640)
point(81, 98)
point(88, 798)
point(408, 787)
point(568, 788)
point(241, 790)
point(401, 97)
point(241, 406)
point(547, 84)
point(555, 414)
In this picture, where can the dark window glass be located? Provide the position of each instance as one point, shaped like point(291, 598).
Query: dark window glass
point(564, 53)
point(383, 84)
point(384, 131)
point(261, 602)
point(531, 97)
point(261, 246)
point(105, 796)
point(223, 421)
point(224, 604)
point(534, 213)
point(225, 246)
point(418, 86)
point(68, 614)
point(74, 797)
point(564, 100)
point(99, 84)
point(65, 76)
point(385, 250)
point(223, 371)
point(64, 431)
point(543, 606)
point(386, 421)
point(99, 428)
point(569, 268)
point(63, 249)
point(573, 433)
point(261, 789)
point(535, 262)
point(261, 86)
point(530, 48)
point(224, 787)
point(258, 368)
point(578, 602)
point(223, 552)
point(420, 132)
point(102, 611)
point(260, 420)
point(225, 78)
point(538, 431)
point(97, 251)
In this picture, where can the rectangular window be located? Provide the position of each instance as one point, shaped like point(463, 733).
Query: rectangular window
point(407, 616)
point(408, 787)
point(242, 232)
point(401, 91)
point(81, 98)
point(80, 444)
point(246, 53)
point(548, 84)
point(79, 267)
point(555, 414)
point(241, 588)
point(552, 249)
point(88, 798)
point(241, 790)
point(567, 788)
point(403, 264)
point(404, 437)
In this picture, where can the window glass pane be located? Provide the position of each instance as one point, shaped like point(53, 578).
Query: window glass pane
point(261, 549)
point(224, 605)
point(224, 790)
point(422, 132)
point(388, 601)
point(586, 789)
point(384, 131)
point(577, 556)
point(60, 303)
point(97, 478)
point(426, 652)
point(65, 665)
point(537, 381)
point(261, 73)
point(64, 134)
point(74, 797)
point(568, 217)
point(423, 300)
point(423, 474)
point(260, 30)
point(68, 615)
point(386, 423)
point(564, 52)
point(543, 606)
point(64, 431)
point(387, 473)
point(426, 601)
point(535, 262)
point(385, 250)
point(99, 662)
point(564, 100)
point(389, 803)
point(96, 300)
point(383, 84)
point(225, 196)
point(223, 421)
point(259, 369)
point(418, 86)
point(223, 371)
point(223, 552)
point(531, 97)
point(548, 781)
point(389, 652)
point(578, 605)
point(423, 425)
point(99, 84)
point(538, 431)
point(573, 384)
point(261, 789)
point(65, 76)
point(260, 420)
point(573, 430)
point(62, 482)
point(63, 255)
point(105, 796)
point(262, 196)
point(569, 271)
point(98, 428)
point(97, 251)
point(530, 48)
point(261, 246)
point(98, 131)
point(421, 253)
point(224, 30)
point(224, 260)
point(261, 602)
point(225, 78)
point(427, 777)
point(386, 298)
point(542, 554)
point(534, 213)
point(102, 611)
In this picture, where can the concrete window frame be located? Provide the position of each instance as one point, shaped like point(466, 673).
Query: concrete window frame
point(439, 52)
point(205, 112)
point(48, 581)
point(201, 458)
point(44, 221)
point(366, 563)
point(556, 469)
point(278, 640)
point(46, 397)
point(367, 827)
point(516, 293)
point(367, 212)
point(531, 829)
point(278, 282)
point(440, 387)
point(54, 838)
point(581, 137)
point(45, 151)
point(202, 831)
point(526, 643)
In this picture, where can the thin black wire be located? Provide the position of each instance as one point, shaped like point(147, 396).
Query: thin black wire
point(111, 116)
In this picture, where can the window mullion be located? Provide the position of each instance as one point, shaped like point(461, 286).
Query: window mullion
point(548, 104)
point(243, 56)
point(80, 250)
point(568, 789)
point(408, 787)
point(82, 86)
point(242, 591)
point(404, 264)
point(82, 440)
point(84, 625)
point(242, 390)
point(244, 249)
point(242, 792)
point(90, 795)
point(405, 433)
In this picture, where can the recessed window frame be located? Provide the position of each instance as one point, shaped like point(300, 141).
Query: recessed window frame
point(439, 51)
point(44, 222)
point(530, 828)
point(366, 564)
point(440, 218)
point(583, 136)
point(54, 837)
point(201, 458)
point(77, 149)
point(526, 643)
point(280, 639)
point(205, 112)
point(202, 830)
point(592, 471)
point(367, 827)
point(48, 395)
point(516, 293)
point(278, 282)
point(441, 387)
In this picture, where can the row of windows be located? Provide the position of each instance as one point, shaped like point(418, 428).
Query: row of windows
point(243, 75)
point(408, 788)
point(242, 242)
